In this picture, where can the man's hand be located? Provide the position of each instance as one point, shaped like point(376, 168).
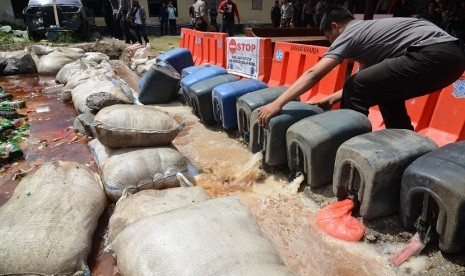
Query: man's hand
point(327, 102)
point(267, 111)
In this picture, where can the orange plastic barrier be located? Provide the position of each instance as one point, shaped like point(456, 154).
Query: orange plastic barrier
point(189, 40)
point(447, 124)
point(213, 48)
point(291, 60)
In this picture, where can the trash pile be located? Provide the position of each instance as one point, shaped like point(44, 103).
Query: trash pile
point(13, 127)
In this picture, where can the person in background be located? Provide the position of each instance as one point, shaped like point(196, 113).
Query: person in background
point(172, 14)
point(297, 4)
point(118, 32)
point(163, 19)
point(138, 21)
point(192, 13)
point(229, 9)
point(432, 14)
point(124, 18)
point(320, 9)
point(276, 14)
point(108, 16)
point(309, 13)
point(287, 14)
point(201, 17)
point(400, 59)
point(213, 14)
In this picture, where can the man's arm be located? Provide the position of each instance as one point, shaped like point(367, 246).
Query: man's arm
point(221, 7)
point(306, 81)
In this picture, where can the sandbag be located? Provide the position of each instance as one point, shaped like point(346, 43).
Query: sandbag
point(142, 169)
point(46, 226)
point(133, 207)
point(51, 63)
point(213, 237)
point(160, 84)
point(17, 62)
point(134, 126)
point(336, 220)
point(100, 100)
point(82, 91)
point(90, 65)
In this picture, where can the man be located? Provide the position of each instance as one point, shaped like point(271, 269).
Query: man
point(192, 13)
point(124, 18)
point(287, 14)
point(138, 21)
point(117, 25)
point(276, 14)
point(400, 58)
point(309, 13)
point(172, 15)
point(213, 14)
point(163, 19)
point(201, 16)
point(228, 9)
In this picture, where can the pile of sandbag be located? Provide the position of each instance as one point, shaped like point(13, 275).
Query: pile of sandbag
point(48, 223)
point(212, 237)
point(49, 60)
point(132, 149)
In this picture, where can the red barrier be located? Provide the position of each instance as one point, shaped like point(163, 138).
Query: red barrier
point(213, 48)
point(188, 40)
point(265, 56)
point(447, 124)
point(291, 60)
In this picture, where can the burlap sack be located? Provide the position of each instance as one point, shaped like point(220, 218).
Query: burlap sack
point(133, 207)
point(134, 126)
point(213, 237)
point(47, 225)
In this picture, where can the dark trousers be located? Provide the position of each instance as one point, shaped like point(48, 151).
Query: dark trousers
point(164, 26)
point(228, 27)
point(139, 31)
point(389, 83)
point(172, 26)
point(117, 29)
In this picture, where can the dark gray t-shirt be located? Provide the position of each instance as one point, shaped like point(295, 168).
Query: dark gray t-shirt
point(371, 41)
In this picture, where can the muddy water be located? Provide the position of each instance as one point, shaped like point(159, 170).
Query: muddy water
point(287, 218)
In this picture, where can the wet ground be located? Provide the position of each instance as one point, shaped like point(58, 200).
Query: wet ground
point(226, 168)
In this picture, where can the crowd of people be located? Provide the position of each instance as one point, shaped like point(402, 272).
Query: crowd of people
point(447, 14)
point(203, 16)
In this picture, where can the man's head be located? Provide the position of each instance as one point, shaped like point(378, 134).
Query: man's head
point(334, 22)
point(135, 3)
point(276, 3)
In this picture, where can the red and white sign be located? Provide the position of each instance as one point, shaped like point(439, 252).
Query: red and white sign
point(243, 56)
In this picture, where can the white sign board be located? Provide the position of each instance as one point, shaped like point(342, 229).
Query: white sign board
point(242, 56)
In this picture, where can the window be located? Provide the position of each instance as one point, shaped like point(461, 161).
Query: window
point(154, 6)
point(257, 5)
point(18, 7)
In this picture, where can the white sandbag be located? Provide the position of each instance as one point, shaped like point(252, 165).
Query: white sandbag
point(51, 63)
point(142, 169)
point(85, 89)
point(90, 65)
point(213, 237)
point(133, 207)
point(134, 126)
point(47, 225)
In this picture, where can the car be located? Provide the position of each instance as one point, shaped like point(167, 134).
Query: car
point(39, 17)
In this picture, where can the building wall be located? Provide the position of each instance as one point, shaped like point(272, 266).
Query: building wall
point(247, 14)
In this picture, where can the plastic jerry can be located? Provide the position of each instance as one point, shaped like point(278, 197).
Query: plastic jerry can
point(271, 138)
point(179, 58)
point(191, 69)
point(224, 99)
point(370, 167)
point(160, 85)
point(312, 142)
point(249, 102)
point(201, 96)
point(433, 187)
point(202, 74)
